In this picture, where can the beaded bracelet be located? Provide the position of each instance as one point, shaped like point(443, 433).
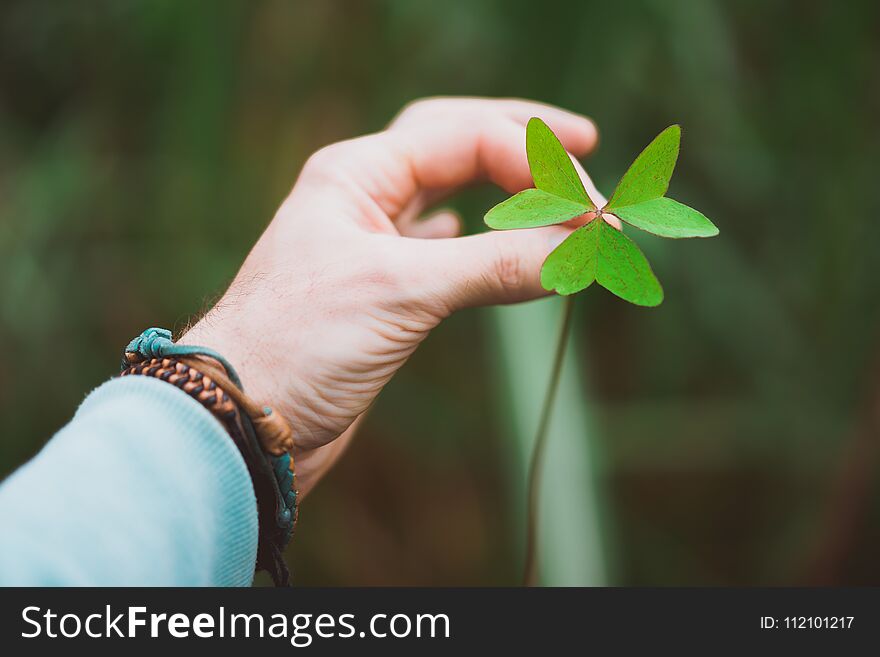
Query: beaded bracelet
point(263, 437)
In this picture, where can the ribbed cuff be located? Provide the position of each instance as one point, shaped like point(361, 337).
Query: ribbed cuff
point(189, 454)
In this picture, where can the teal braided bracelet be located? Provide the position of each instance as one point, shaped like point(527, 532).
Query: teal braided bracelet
point(157, 343)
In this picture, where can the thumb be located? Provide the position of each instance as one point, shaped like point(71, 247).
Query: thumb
point(490, 268)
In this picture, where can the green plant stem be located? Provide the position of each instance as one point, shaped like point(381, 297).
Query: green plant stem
point(530, 570)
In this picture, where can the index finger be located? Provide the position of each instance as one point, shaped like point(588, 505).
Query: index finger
point(436, 146)
point(449, 142)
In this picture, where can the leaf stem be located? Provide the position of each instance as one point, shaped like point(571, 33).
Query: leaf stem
point(530, 569)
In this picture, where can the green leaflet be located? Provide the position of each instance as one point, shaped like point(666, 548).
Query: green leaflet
point(551, 167)
point(571, 267)
point(602, 253)
point(667, 218)
point(532, 208)
point(648, 176)
point(624, 270)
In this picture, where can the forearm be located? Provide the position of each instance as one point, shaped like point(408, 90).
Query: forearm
point(143, 487)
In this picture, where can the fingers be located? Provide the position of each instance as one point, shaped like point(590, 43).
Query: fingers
point(577, 132)
point(502, 266)
point(451, 142)
point(443, 224)
point(489, 268)
point(410, 223)
point(436, 146)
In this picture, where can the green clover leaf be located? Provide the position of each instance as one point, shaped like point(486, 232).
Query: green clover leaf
point(598, 251)
point(532, 208)
point(551, 167)
point(648, 176)
point(667, 218)
point(560, 194)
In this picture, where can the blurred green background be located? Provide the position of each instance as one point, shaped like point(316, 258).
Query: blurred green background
point(732, 433)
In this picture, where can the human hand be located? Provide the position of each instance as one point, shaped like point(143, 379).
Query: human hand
point(339, 290)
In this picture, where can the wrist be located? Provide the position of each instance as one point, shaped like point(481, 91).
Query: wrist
point(255, 369)
point(219, 334)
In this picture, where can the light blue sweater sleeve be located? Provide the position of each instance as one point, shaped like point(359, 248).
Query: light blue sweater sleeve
point(143, 487)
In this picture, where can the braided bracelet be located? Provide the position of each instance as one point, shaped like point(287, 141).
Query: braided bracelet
point(263, 437)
